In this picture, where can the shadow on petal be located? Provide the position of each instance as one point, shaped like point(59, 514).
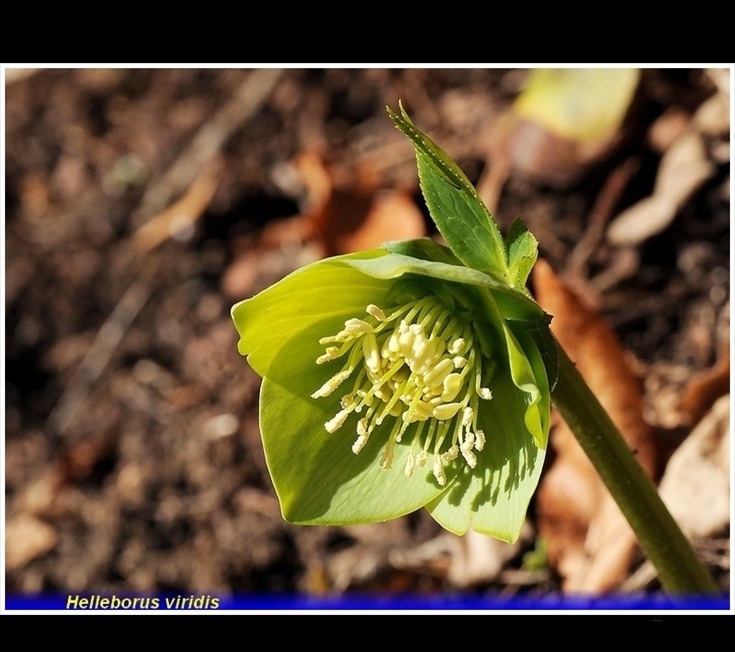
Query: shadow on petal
point(493, 497)
point(318, 479)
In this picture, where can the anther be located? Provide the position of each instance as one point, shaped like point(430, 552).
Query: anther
point(333, 383)
point(479, 440)
point(485, 393)
point(456, 346)
point(439, 474)
point(337, 421)
point(376, 312)
point(446, 411)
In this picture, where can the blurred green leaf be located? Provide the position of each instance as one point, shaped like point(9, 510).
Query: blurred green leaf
point(580, 104)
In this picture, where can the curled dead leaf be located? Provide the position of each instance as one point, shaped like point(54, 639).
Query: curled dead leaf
point(344, 212)
point(704, 389)
point(26, 538)
point(683, 170)
point(698, 474)
point(590, 542)
point(688, 162)
point(356, 213)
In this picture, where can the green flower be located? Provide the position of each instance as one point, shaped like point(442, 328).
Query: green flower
point(396, 379)
point(409, 376)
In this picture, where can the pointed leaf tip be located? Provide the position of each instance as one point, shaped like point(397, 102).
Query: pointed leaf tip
point(458, 212)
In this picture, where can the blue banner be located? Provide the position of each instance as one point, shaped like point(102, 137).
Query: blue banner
point(190, 602)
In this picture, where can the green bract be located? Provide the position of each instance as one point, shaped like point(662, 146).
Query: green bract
point(393, 382)
point(409, 376)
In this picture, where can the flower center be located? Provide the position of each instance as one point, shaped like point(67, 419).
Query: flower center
point(417, 365)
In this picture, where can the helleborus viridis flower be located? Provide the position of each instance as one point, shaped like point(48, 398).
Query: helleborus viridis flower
point(402, 377)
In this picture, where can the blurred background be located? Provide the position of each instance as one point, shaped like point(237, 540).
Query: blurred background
point(142, 203)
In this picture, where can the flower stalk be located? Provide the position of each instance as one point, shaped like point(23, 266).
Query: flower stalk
point(659, 536)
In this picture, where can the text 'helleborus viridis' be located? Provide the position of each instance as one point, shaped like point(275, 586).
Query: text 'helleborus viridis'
point(413, 375)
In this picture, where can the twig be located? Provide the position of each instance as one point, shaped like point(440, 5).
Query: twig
point(207, 142)
point(177, 221)
point(600, 215)
point(99, 354)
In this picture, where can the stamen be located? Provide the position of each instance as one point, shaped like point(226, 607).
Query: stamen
point(333, 383)
point(456, 346)
point(332, 353)
point(355, 326)
point(451, 387)
point(467, 416)
point(446, 411)
point(336, 423)
point(450, 454)
point(371, 352)
point(459, 362)
point(359, 444)
point(466, 449)
point(438, 374)
point(376, 312)
point(386, 459)
point(439, 474)
point(479, 440)
point(410, 465)
point(419, 365)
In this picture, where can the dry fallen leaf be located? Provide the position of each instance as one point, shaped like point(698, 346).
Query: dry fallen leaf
point(590, 542)
point(477, 558)
point(344, 213)
point(27, 537)
point(698, 474)
point(683, 170)
point(687, 163)
point(704, 389)
point(355, 214)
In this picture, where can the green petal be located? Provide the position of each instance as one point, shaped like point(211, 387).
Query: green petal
point(317, 477)
point(346, 283)
point(493, 497)
point(526, 366)
point(323, 291)
point(387, 265)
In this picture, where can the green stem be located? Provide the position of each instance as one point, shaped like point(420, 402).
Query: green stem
point(660, 538)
